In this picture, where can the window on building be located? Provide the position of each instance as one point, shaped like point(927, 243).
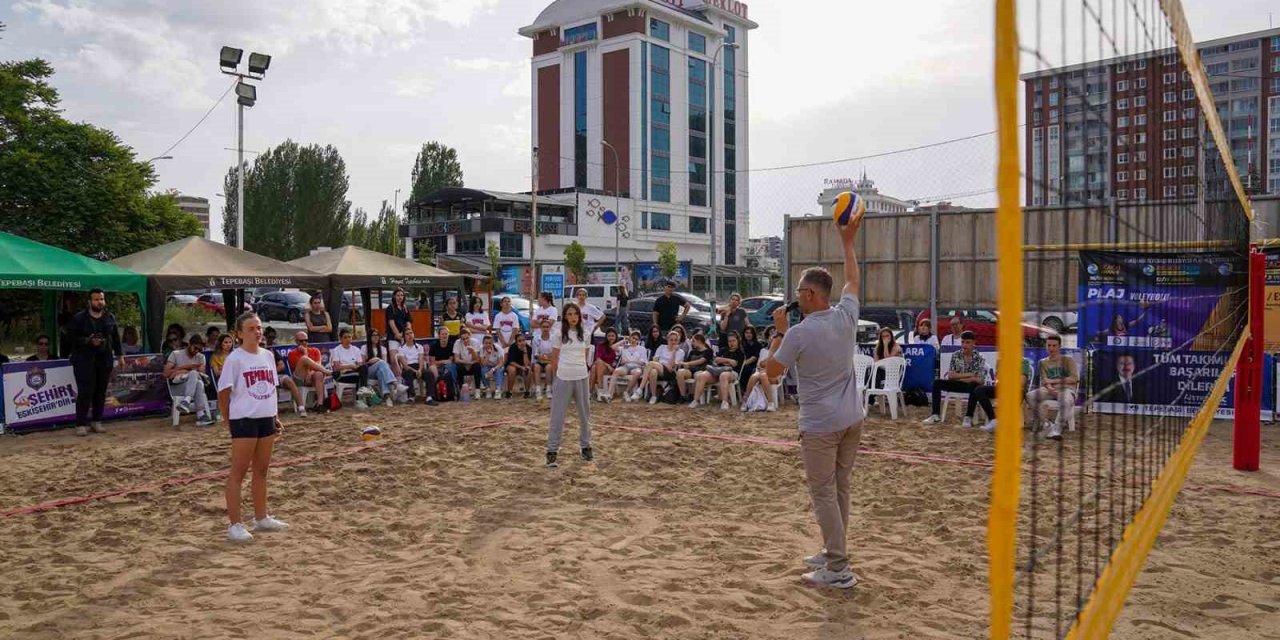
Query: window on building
point(1244, 64)
point(1122, 140)
point(1140, 175)
point(1140, 194)
point(1140, 120)
point(1170, 191)
point(1122, 122)
point(1170, 115)
point(1188, 190)
point(1275, 64)
point(1053, 82)
point(660, 133)
point(697, 224)
point(1188, 132)
point(1189, 113)
point(1188, 152)
point(1169, 134)
point(1122, 176)
point(659, 29)
point(697, 42)
point(1122, 104)
point(582, 33)
point(1036, 117)
point(1141, 83)
point(1140, 65)
point(1170, 78)
point(1122, 158)
point(1170, 154)
point(1188, 94)
point(1140, 156)
point(1275, 43)
point(1122, 194)
point(1122, 85)
point(1121, 67)
point(580, 119)
point(1170, 96)
point(659, 221)
point(469, 244)
point(1170, 172)
point(1053, 99)
point(1053, 115)
point(1188, 171)
point(1140, 138)
point(511, 245)
point(1139, 101)
point(1036, 101)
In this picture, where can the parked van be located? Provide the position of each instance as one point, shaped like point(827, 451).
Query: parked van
point(604, 296)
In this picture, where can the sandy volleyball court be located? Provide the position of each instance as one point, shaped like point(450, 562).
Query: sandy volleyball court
point(443, 529)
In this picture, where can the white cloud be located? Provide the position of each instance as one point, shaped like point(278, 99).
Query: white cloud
point(485, 64)
point(414, 87)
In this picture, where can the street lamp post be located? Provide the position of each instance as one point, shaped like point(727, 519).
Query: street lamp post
point(617, 206)
point(246, 96)
point(711, 172)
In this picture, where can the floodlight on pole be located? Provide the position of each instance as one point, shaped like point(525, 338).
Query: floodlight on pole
point(246, 96)
point(153, 160)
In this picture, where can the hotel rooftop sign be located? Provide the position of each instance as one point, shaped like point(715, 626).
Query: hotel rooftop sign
point(728, 6)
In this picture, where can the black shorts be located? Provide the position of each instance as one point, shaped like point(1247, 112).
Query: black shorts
point(253, 428)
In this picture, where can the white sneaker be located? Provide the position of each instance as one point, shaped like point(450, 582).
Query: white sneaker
point(933, 419)
point(537, 392)
point(826, 578)
point(388, 401)
point(269, 524)
point(773, 406)
point(1053, 431)
point(184, 404)
point(724, 405)
point(817, 560)
point(653, 400)
point(990, 426)
point(693, 404)
point(361, 406)
point(237, 533)
point(301, 411)
point(635, 397)
point(967, 423)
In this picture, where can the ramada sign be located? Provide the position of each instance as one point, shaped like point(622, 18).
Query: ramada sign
point(729, 6)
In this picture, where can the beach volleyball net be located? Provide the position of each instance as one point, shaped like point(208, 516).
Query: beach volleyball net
point(1123, 227)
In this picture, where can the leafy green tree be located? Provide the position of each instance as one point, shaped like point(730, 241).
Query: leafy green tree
point(494, 252)
point(380, 234)
point(74, 185)
point(575, 260)
point(435, 167)
point(668, 261)
point(295, 198)
point(425, 252)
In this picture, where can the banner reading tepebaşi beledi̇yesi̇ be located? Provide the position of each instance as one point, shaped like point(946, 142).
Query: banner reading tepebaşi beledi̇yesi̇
point(1161, 327)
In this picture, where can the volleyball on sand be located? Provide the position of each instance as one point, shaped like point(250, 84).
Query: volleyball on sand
point(371, 433)
point(846, 206)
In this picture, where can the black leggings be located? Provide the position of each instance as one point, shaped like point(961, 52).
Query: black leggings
point(953, 386)
point(359, 376)
point(472, 370)
point(981, 396)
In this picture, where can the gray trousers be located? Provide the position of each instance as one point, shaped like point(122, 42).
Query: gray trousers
point(562, 391)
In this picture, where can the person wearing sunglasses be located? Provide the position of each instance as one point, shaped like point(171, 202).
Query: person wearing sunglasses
point(304, 363)
point(42, 349)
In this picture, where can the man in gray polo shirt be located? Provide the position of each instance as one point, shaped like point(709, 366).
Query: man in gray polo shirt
point(821, 348)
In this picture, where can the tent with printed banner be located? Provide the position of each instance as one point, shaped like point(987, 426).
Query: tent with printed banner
point(350, 268)
point(197, 263)
point(27, 264)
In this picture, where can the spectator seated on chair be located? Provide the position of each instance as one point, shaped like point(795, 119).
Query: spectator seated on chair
point(492, 366)
point(377, 358)
point(304, 363)
point(957, 333)
point(130, 342)
point(696, 360)
point(751, 346)
point(543, 345)
point(519, 364)
point(1058, 378)
point(761, 380)
point(723, 369)
point(606, 357)
point(268, 341)
point(632, 357)
point(663, 367)
point(984, 394)
point(347, 361)
point(886, 347)
point(466, 359)
point(965, 372)
point(439, 363)
point(412, 358)
point(221, 349)
point(924, 334)
point(183, 369)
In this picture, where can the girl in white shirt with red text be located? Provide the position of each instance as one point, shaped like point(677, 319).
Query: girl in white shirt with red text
point(247, 400)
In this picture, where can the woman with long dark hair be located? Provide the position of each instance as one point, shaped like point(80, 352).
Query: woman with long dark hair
point(398, 320)
point(569, 370)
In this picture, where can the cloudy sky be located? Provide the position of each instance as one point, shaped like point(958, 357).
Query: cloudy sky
point(830, 80)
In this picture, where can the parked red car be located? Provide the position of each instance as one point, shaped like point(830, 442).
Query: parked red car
point(983, 326)
point(212, 302)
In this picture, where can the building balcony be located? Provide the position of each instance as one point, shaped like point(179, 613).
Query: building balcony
point(483, 225)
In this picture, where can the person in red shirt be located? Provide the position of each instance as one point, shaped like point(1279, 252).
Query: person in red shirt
point(304, 363)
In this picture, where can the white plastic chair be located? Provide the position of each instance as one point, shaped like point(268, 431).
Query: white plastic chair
point(734, 393)
point(862, 365)
point(175, 413)
point(895, 369)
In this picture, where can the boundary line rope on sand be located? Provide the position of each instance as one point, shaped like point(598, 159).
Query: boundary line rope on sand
point(297, 460)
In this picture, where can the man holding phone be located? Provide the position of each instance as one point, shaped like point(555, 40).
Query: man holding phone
point(94, 340)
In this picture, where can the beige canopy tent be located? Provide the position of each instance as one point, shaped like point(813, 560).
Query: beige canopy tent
point(196, 263)
point(352, 267)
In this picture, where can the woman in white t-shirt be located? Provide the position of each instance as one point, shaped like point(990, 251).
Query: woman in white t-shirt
point(569, 369)
point(466, 359)
point(543, 345)
point(546, 309)
point(507, 324)
point(412, 358)
point(478, 320)
point(632, 357)
point(247, 400)
point(666, 361)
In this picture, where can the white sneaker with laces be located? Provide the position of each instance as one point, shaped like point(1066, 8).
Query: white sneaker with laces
point(694, 404)
point(1054, 431)
point(184, 404)
point(537, 392)
point(826, 578)
point(238, 533)
point(990, 426)
point(301, 411)
point(269, 524)
point(933, 419)
point(773, 406)
point(653, 400)
point(724, 405)
point(817, 560)
point(967, 423)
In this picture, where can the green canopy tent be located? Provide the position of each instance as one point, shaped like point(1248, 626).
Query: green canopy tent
point(27, 264)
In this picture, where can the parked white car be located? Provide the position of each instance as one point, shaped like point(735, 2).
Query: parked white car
point(1060, 321)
